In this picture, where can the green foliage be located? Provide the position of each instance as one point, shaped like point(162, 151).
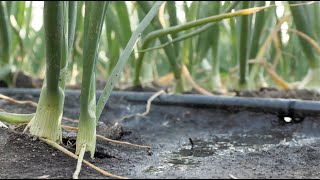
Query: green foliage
point(211, 50)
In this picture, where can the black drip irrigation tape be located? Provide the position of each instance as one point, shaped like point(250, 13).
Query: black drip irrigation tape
point(296, 109)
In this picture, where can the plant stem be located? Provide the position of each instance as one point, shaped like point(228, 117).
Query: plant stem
point(72, 21)
point(4, 35)
point(169, 50)
point(302, 22)
point(244, 46)
point(53, 24)
point(94, 17)
point(175, 29)
point(258, 26)
point(47, 121)
point(124, 57)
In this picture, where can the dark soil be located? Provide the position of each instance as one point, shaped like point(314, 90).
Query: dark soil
point(187, 142)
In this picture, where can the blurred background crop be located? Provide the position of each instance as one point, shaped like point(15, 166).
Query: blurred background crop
point(276, 47)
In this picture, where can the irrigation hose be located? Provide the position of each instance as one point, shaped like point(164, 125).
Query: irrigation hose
point(281, 107)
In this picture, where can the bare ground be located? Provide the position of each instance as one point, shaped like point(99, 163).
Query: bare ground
point(187, 142)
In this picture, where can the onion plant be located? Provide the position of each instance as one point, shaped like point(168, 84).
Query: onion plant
point(94, 17)
point(12, 21)
point(16, 21)
point(183, 40)
point(59, 25)
point(169, 50)
point(117, 33)
point(302, 19)
point(220, 43)
point(162, 33)
point(46, 122)
point(243, 45)
point(90, 111)
point(5, 44)
point(75, 64)
point(208, 43)
point(5, 31)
